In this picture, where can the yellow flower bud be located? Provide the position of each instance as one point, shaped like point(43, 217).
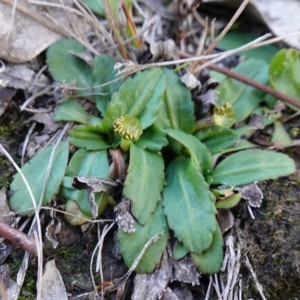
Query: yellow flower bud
point(128, 128)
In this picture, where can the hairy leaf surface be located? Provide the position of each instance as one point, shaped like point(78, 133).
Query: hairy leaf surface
point(187, 205)
point(252, 165)
point(217, 139)
point(103, 72)
point(35, 173)
point(131, 244)
point(144, 182)
point(140, 97)
point(199, 153)
point(71, 111)
point(64, 66)
point(179, 251)
point(153, 138)
point(177, 110)
point(210, 261)
point(83, 137)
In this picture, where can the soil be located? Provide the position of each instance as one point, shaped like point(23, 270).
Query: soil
point(272, 241)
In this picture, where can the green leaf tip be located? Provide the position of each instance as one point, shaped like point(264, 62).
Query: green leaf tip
point(35, 171)
point(248, 166)
point(128, 128)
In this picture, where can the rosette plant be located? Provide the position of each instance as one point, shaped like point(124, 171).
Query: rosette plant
point(149, 118)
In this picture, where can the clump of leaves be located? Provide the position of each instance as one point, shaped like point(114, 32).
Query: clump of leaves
point(171, 173)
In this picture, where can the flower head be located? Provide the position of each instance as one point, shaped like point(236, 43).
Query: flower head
point(224, 116)
point(128, 128)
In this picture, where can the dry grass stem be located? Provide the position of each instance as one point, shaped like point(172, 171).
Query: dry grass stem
point(36, 78)
point(25, 143)
point(207, 296)
point(99, 260)
point(200, 45)
point(70, 33)
point(38, 111)
point(113, 26)
point(99, 30)
point(139, 257)
point(258, 285)
point(227, 27)
point(44, 91)
point(13, 12)
point(62, 6)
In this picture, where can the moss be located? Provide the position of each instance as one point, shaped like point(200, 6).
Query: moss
point(273, 240)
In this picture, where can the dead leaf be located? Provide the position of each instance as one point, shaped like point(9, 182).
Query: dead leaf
point(4, 208)
point(209, 97)
point(20, 76)
point(8, 288)
point(6, 95)
point(225, 219)
point(190, 81)
point(47, 119)
point(6, 249)
point(124, 218)
point(256, 121)
point(151, 286)
point(159, 51)
point(29, 33)
point(118, 166)
point(52, 230)
point(169, 295)
point(183, 292)
point(5, 274)
point(185, 271)
point(53, 287)
point(93, 185)
point(252, 193)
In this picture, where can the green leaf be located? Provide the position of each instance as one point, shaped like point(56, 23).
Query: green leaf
point(280, 136)
point(70, 110)
point(144, 182)
point(140, 97)
point(229, 202)
point(177, 110)
point(153, 138)
point(252, 165)
point(131, 244)
point(103, 72)
point(88, 164)
point(97, 6)
point(35, 173)
point(233, 40)
point(179, 251)
point(200, 155)
point(217, 139)
point(187, 205)
point(64, 66)
point(284, 73)
point(83, 137)
point(210, 261)
point(244, 98)
point(240, 145)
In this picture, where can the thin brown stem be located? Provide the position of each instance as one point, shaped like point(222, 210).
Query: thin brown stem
point(255, 84)
point(18, 238)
